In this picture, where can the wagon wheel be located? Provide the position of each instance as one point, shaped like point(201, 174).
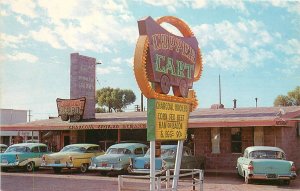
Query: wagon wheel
point(164, 85)
point(83, 167)
point(64, 117)
point(29, 166)
point(182, 90)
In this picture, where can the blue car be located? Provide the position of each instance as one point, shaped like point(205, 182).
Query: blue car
point(116, 158)
point(265, 163)
point(166, 161)
point(23, 155)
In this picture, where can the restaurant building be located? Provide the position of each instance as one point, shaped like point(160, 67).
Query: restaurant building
point(219, 135)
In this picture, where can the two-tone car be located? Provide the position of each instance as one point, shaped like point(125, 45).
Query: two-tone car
point(165, 161)
point(267, 163)
point(116, 158)
point(23, 155)
point(72, 156)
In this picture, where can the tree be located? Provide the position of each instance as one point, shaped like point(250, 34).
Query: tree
point(115, 99)
point(291, 99)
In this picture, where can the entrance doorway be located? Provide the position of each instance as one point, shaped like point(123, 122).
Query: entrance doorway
point(66, 140)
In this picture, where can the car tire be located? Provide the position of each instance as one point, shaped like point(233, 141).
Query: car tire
point(57, 170)
point(247, 180)
point(83, 168)
point(29, 167)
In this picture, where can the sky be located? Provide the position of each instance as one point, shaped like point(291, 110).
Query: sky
point(253, 45)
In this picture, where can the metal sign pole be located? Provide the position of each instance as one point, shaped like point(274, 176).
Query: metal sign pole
point(152, 165)
point(177, 164)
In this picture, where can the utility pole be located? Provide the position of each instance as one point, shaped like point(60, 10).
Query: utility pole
point(256, 102)
point(220, 95)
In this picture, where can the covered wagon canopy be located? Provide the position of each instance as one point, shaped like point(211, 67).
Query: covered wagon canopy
point(200, 118)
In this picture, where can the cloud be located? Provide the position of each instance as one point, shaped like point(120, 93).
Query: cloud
point(20, 57)
point(199, 4)
point(117, 60)
point(234, 46)
point(97, 26)
point(291, 50)
point(22, 21)
point(109, 70)
point(11, 40)
point(48, 36)
point(172, 5)
point(24, 7)
point(291, 6)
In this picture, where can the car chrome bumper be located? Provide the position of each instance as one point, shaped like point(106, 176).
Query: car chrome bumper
point(65, 165)
point(277, 177)
point(108, 168)
point(14, 164)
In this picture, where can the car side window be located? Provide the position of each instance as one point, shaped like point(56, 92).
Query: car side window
point(92, 149)
point(43, 149)
point(139, 151)
point(35, 149)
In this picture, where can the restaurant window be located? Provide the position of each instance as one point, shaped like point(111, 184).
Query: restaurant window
point(236, 140)
point(215, 140)
point(258, 136)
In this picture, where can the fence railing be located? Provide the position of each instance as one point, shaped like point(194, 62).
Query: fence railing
point(190, 178)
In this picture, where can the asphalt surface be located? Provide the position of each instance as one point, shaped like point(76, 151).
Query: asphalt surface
point(46, 180)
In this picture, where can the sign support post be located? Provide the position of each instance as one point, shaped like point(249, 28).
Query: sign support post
point(177, 164)
point(152, 165)
point(163, 60)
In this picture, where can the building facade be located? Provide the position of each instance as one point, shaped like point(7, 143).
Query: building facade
point(10, 117)
point(218, 135)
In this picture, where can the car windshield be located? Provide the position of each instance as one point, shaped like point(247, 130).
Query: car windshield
point(17, 149)
point(165, 153)
point(73, 149)
point(118, 151)
point(267, 155)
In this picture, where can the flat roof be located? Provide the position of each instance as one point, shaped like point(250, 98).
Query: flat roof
point(200, 118)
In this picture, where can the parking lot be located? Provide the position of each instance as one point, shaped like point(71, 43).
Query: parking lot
point(46, 180)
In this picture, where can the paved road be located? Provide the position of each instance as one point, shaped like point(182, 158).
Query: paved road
point(45, 180)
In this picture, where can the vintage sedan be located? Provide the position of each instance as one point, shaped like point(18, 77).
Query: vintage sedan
point(3, 147)
point(23, 155)
point(263, 162)
point(72, 156)
point(165, 161)
point(116, 158)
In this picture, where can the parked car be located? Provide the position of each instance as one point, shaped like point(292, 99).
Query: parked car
point(72, 156)
point(3, 147)
point(166, 160)
point(269, 163)
point(23, 155)
point(116, 158)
